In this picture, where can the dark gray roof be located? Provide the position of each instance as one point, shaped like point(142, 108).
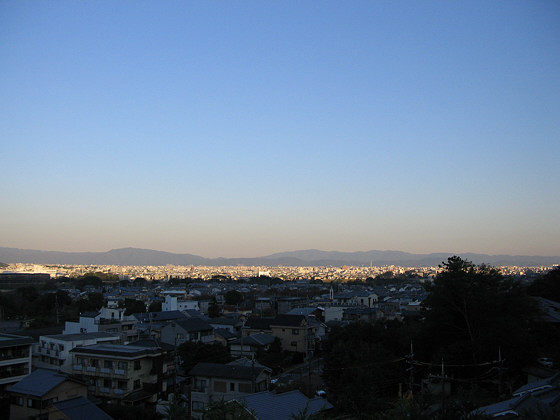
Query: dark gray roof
point(256, 340)
point(288, 320)
point(81, 408)
point(152, 344)
point(225, 334)
point(216, 370)
point(258, 323)
point(302, 311)
point(117, 350)
point(193, 324)
point(89, 314)
point(270, 406)
point(224, 321)
point(10, 340)
point(38, 382)
point(81, 336)
point(159, 316)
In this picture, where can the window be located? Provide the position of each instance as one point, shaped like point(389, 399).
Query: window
point(33, 403)
point(94, 363)
point(122, 365)
point(197, 405)
point(107, 383)
point(200, 384)
point(137, 365)
point(108, 364)
point(180, 336)
point(122, 385)
point(245, 388)
point(232, 386)
point(219, 386)
point(293, 344)
point(80, 361)
point(17, 401)
point(295, 331)
point(137, 384)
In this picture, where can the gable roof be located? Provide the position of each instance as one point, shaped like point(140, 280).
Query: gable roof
point(38, 382)
point(258, 323)
point(270, 406)
point(81, 408)
point(288, 320)
point(256, 340)
point(159, 316)
point(216, 370)
point(193, 324)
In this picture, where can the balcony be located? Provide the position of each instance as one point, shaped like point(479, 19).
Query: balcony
point(120, 372)
point(91, 369)
point(104, 390)
point(119, 391)
point(77, 367)
point(105, 370)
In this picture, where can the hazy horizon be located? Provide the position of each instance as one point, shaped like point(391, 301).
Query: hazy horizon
point(239, 129)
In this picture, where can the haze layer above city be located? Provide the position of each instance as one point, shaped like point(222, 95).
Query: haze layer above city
point(246, 129)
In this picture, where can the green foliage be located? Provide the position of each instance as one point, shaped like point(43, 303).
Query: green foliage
point(213, 310)
point(472, 311)
point(233, 297)
point(193, 353)
point(155, 306)
point(93, 302)
point(547, 286)
point(362, 366)
point(231, 410)
point(176, 410)
point(134, 306)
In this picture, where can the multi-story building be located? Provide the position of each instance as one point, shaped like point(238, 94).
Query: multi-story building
point(130, 375)
point(108, 320)
point(15, 358)
point(53, 351)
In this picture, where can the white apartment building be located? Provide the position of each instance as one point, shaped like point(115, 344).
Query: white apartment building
point(53, 351)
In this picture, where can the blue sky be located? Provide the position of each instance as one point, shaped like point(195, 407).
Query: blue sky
point(245, 128)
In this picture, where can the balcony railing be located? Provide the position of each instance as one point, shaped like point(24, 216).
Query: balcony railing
point(78, 367)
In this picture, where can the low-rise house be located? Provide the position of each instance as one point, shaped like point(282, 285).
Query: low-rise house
point(15, 358)
point(214, 382)
point(224, 337)
point(130, 375)
point(34, 395)
point(231, 324)
point(53, 351)
point(250, 345)
point(172, 303)
point(294, 331)
point(190, 329)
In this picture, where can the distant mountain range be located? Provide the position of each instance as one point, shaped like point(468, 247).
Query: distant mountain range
point(310, 257)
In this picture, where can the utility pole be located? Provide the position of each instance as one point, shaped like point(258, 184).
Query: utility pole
point(410, 361)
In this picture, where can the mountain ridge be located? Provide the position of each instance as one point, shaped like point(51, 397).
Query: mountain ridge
point(308, 257)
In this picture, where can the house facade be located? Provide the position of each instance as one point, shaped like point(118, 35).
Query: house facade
point(53, 351)
point(214, 382)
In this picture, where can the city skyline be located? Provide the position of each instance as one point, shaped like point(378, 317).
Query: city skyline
point(239, 130)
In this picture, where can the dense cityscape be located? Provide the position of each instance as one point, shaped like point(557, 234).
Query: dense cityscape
point(156, 342)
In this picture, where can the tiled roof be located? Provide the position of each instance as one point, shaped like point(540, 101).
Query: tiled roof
point(10, 340)
point(257, 340)
point(81, 336)
point(193, 324)
point(81, 408)
point(38, 382)
point(270, 406)
point(216, 370)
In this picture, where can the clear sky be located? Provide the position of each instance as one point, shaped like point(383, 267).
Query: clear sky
point(243, 128)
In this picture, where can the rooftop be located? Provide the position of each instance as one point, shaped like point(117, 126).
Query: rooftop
point(38, 382)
